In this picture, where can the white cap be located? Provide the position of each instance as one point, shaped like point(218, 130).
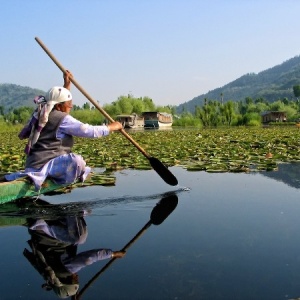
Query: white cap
point(58, 94)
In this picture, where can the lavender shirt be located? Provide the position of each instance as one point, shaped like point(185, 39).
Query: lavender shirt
point(71, 126)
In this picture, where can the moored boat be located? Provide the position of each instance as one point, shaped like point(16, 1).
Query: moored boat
point(21, 188)
point(155, 119)
point(131, 121)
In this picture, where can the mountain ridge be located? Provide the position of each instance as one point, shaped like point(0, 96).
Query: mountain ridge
point(13, 95)
point(271, 84)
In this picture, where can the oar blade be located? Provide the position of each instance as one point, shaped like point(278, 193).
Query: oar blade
point(163, 209)
point(163, 171)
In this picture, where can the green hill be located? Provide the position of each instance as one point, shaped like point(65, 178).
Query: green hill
point(272, 84)
point(12, 95)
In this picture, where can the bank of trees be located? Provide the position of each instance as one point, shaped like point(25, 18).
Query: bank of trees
point(248, 112)
point(87, 112)
point(212, 113)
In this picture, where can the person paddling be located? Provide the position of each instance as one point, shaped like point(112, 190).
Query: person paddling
point(50, 133)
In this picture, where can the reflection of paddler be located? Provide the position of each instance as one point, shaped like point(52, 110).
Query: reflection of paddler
point(54, 252)
point(158, 215)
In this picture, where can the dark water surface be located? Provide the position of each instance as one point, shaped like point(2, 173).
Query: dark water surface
point(230, 236)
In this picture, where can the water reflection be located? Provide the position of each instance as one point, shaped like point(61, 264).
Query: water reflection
point(53, 251)
point(55, 236)
point(286, 173)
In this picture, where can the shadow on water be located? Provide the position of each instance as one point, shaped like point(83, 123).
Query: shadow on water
point(286, 173)
point(56, 231)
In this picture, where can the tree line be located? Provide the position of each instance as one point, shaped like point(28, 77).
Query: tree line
point(87, 112)
point(213, 113)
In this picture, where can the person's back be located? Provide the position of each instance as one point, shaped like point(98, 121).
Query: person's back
point(49, 146)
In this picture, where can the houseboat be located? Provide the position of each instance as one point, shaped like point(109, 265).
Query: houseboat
point(155, 119)
point(131, 121)
point(273, 116)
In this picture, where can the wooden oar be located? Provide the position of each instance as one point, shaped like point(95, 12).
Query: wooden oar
point(159, 213)
point(156, 164)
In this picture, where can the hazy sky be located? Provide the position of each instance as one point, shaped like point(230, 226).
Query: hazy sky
point(168, 50)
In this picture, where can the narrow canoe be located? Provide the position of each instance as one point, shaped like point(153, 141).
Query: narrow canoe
point(23, 188)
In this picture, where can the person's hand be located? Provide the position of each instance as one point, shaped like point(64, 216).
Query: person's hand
point(118, 254)
point(114, 126)
point(67, 80)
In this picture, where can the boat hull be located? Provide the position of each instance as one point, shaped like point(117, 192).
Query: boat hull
point(22, 188)
point(156, 124)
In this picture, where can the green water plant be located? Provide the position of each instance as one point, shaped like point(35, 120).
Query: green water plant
point(234, 149)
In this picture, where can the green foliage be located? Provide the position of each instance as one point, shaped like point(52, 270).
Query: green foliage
point(129, 105)
point(277, 106)
point(93, 116)
point(252, 119)
point(296, 90)
point(291, 112)
point(214, 113)
point(253, 123)
point(187, 120)
point(228, 112)
point(86, 106)
point(261, 107)
point(8, 126)
point(22, 114)
point(125, 105)
point(209, 114)
point(148, 104)
point(166, 109)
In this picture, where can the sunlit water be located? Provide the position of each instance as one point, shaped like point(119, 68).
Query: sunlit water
point(231, 236)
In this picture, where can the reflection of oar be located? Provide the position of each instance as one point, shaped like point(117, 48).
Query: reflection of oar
point(156, 164)
point(159, 213)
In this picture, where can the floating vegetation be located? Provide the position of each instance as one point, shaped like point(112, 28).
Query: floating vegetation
point(238, 149)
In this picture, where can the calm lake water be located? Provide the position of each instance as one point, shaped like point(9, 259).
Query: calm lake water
point(217, 236)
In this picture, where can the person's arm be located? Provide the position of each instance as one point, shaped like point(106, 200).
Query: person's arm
point(67, 82)
point(89, 257)
point(74, 127)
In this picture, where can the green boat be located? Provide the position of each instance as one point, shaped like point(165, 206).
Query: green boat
point(23, 188)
